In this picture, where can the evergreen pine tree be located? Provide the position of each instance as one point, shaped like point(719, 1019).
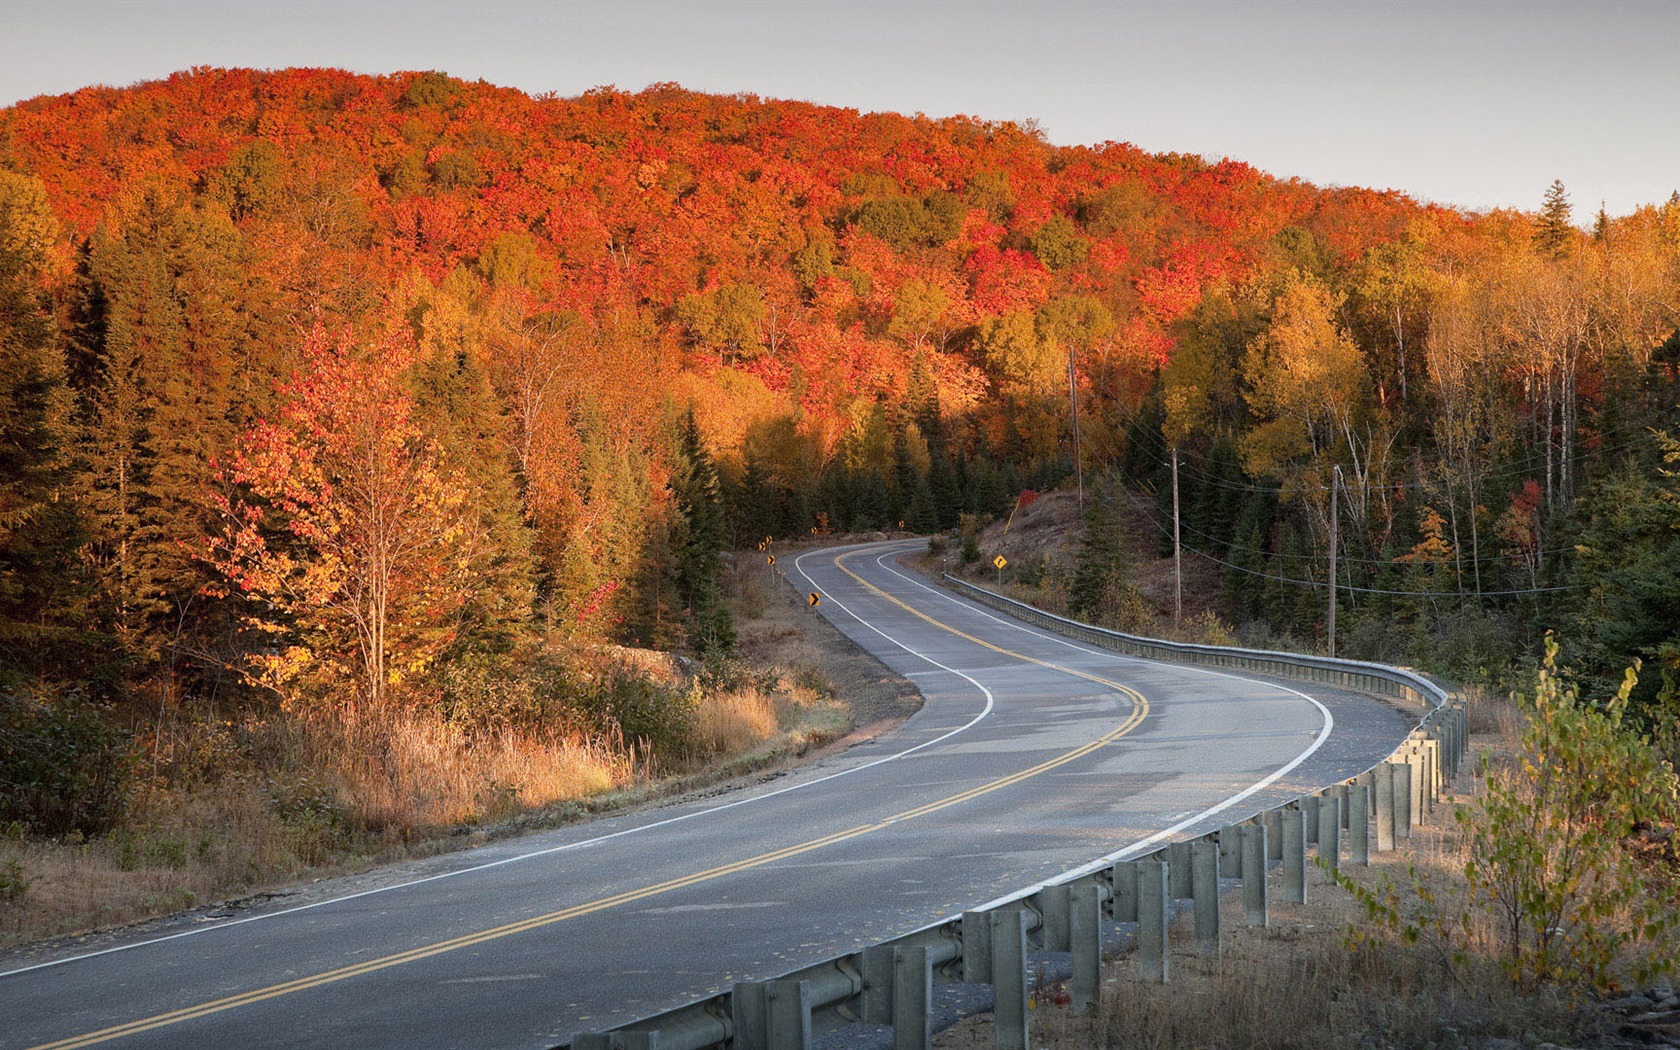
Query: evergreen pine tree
point(458, 408)
point(1552, 232)
point(698, 554)
point(1102, 565)
point(42, 522)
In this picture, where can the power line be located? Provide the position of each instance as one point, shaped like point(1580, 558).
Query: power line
point(1472, 560)
point(1366, 590)
point(1661, 415)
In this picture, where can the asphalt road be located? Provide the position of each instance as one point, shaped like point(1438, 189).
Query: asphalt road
point(1032, 755)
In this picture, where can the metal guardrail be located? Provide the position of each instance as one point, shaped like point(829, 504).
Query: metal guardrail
point(1353, 674)
point(891, 983)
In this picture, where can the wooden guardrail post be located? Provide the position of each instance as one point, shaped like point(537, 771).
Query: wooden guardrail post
point(1359, 824)
point(1330, 829)
point(787, 1009)
point(1204, 888)
point(1402, 773)
point(876, 965)
point(1085, 941)
point(977, 947)
point(1254, 874)
point(748, 1016)
point(912, 985)
point(1294, 854)
point(1385, 807)
point(1009, 978)
point(1152, 921)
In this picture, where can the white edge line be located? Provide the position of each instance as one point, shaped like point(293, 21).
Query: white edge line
point(984, 712)
point(1329, 724)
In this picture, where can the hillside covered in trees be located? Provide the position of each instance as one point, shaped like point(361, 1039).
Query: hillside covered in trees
point(318, 388)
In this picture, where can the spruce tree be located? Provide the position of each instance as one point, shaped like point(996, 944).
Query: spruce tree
point(698, 551)
point(458, 408)
point(1553, 234)
point(1102, 565)
point(42, 522)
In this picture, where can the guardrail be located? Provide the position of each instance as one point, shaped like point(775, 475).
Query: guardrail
point(891, 983)
point(1353, 674)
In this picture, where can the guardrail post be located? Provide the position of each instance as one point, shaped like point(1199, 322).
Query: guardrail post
point(1432, 754)
point(1205, 890)
point(1455, 726)
point(1330, 831)
point(1230, 852)
point(1152, 921)
point(638, 1041)
point(877, 965)
point(1053, 907)
point(1309, 816)
point(912, 988)
point(749, 1016)
point(1408, 812)
point(1273, 819)
point(1009, 978)
point(1294, 855)
point(977, 947)
point(1385, 807)
point(1178, 870)
point(787, 1006)
point(1254, 874)
point(1359, 824)
point(1085, 917)
point(1125, 876)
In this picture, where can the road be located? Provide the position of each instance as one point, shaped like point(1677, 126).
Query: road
point(1031, 756)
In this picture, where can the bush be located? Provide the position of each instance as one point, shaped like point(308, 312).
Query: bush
point(63, 766)
point(645, 713)
point(1548, 844)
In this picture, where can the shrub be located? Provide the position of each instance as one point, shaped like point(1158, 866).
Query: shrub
point(645, 713)
point(63, 766)
point(1548, 844)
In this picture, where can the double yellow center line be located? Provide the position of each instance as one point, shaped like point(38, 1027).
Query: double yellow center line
point(1140, 708)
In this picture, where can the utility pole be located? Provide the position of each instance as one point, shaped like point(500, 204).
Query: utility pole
point(1078, 456)
point(1178, 551)
point(1335, 486)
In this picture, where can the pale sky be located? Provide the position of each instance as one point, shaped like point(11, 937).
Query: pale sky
point(1473, 104)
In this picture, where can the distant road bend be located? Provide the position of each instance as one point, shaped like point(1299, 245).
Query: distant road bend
point(1032, 755)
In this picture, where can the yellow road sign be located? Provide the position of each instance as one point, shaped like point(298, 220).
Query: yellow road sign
point(815, 599)
point(1000, 561)
point(771, 558)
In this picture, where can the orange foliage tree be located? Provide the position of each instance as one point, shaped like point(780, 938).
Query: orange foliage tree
point(349, 543)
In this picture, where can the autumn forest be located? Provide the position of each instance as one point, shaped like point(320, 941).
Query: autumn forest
point(327, 398)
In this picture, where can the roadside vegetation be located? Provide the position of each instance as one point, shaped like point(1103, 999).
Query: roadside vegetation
point(1537, 907)
point(106, 827)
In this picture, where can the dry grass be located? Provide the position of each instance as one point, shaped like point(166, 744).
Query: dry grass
point(228, 807)
point(408, 773)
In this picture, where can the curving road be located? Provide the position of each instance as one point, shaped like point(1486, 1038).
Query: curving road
point(1032, 755)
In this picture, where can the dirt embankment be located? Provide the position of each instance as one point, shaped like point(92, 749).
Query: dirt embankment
point(1041, 543)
